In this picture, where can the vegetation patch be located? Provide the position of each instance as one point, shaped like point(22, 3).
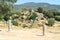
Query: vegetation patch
point(51, 22)
point(15, 23)
point(57, 18)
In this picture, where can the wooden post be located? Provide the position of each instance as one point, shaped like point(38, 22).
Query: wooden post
point(44, 29)
point(9, 25)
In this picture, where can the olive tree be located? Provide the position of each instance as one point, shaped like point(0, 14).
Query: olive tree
point(6, 7)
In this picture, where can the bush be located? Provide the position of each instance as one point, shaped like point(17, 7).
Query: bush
point(24, 26)
point(56, 13)
point(33, 16)
point(1, 16)
point(15, 23)
point(7, 16)
point(51, 22)
point(39, 9)
point(17, 13)
point(15, 17)
point(42, 18)
point(57, 18)
point(48, 14)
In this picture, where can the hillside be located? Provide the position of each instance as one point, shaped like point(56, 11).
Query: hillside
point(32, 5)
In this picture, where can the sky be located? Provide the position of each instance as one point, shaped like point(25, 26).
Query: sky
point(57, 2)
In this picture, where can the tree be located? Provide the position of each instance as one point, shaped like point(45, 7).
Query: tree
point(6, 7)
point(39, 9)
point(48, 14)
point(56, 13)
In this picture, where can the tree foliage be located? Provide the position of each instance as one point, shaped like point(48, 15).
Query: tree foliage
point(56, 13)
point(48, 14)
point(51, 22)
point(57, 18)
point(33, 16)
point(39, 9)
point(15, 23)
point(7, 17)
point(6, 6)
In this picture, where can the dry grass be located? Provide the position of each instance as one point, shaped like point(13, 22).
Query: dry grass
point(18, 33)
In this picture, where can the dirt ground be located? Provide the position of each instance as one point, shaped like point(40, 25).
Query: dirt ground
point(28, 34)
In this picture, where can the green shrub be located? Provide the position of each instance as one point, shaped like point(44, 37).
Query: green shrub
point(56, 13)
point(18, 13)
point(24, 26)
point(1, 16)
point(57, 18)
point(15, 17)
point(33, 16)
point(48, 14)
point(39, 9)
point(21, 19)
point(42, 18)
point(7, 16)
point(15, 23)
point(51, 22)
